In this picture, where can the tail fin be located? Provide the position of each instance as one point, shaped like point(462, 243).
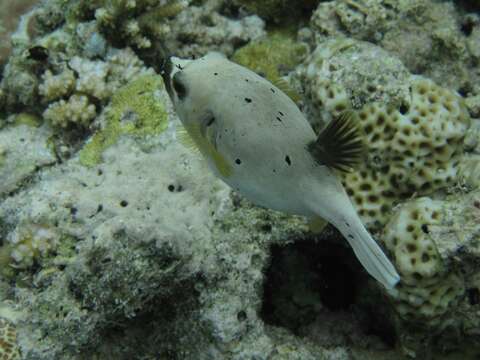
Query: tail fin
point(369, 253)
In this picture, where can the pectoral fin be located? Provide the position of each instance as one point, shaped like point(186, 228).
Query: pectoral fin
point(340, 144)
point(195, 137)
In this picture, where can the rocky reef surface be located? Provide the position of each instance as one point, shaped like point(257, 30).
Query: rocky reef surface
point(117, 242)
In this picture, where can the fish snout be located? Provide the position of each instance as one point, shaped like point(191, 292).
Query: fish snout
point(165, 72)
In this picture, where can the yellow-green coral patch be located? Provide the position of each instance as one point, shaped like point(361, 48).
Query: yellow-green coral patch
point(135, 110)
point(271, 56)
point(27, 119)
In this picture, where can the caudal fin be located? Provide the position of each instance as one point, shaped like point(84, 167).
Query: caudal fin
point(369, 253)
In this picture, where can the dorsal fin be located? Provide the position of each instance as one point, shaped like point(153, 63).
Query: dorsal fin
point(283, 85)
point(340, 144)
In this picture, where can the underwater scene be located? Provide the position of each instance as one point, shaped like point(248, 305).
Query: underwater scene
point(239, 180)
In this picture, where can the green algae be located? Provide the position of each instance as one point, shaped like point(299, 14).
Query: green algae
point(27, 119)
point(272, 55)
point(134, 110)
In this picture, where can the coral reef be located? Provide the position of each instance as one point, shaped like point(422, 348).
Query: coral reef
point(8, 341)
point(25, 149)
point(136, 22)
point(434, 244)
point(28, 242)
point(272, 56)
point(428, 290)
point(76, 110)
point(200, 29)
point(135, 109)
point(278, 10)
point(414, 128)
point(431, 38)
point(116, 242)
point(10, 12)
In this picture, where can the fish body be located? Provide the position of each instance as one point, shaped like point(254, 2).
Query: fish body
point(257, 141)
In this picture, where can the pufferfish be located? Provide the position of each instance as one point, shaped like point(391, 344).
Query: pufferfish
point(257, 140)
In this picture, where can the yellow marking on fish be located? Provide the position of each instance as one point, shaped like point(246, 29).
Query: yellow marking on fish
point(191, 137)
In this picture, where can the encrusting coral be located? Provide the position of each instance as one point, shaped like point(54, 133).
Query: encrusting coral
point(271, 56)
point(8, 341)
point(429, 288)
point(111, 232)
point(413, 128)
point(135, 109)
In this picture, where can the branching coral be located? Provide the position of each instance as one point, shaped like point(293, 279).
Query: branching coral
point(76, 110)
point(56, 86)
point(136, 22)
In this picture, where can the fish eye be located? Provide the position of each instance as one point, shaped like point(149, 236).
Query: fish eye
point(179, 87)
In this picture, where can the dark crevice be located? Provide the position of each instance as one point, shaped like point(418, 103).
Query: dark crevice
point(303, 277)
point(319, 278)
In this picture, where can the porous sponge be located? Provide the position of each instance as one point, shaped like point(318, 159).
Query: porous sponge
point(415, 148)
point(8, 341)
point(427, 289)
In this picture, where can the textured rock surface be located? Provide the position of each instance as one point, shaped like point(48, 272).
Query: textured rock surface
point(24, 149)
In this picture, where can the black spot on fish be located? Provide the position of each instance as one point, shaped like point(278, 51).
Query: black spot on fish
point(248, 100)
point(246, 80)
point(279, 119)
point(179, 66)
point(281, 113)
point(215, 74)
point(274, 170)
point(287, 159)
point(124, 203)
point(273, 90)
point(238, 161)
point(350, 236)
